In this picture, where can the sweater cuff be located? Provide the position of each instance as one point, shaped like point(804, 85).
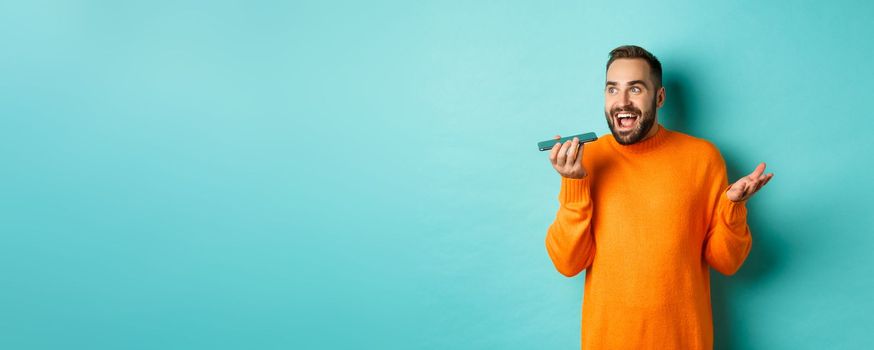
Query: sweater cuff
point(734, 213)
point(573, 190)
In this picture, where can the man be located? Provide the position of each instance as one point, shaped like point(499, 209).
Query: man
point(646, 212)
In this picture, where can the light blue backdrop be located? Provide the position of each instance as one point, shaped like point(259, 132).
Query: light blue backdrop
point(242, 175)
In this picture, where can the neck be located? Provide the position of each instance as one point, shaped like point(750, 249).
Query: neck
point(652, 130)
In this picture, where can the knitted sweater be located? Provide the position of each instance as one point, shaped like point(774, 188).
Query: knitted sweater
point(646, 223)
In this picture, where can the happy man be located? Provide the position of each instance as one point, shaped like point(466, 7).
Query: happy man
point(646, 213)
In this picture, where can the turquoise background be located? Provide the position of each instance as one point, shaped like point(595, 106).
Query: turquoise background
point(322, 175)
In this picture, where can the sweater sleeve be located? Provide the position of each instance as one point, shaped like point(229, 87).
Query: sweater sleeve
point(728, 239)
point(569, 240)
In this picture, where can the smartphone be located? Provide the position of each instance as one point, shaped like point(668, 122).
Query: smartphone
point(547, 145)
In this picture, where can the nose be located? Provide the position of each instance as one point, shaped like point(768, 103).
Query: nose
point(624, 99)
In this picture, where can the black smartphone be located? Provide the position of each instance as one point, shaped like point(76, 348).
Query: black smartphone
point(547, 145)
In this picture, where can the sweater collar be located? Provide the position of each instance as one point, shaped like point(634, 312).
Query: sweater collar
point(643, 146)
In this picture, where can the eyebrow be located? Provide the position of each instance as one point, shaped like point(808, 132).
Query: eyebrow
point(633, 82)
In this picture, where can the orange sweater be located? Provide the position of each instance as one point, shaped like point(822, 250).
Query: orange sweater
point(646, 223)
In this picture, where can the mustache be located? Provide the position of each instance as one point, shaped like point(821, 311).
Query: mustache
point(629, 109)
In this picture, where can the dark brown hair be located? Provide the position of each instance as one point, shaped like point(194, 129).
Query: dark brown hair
point(633, 51)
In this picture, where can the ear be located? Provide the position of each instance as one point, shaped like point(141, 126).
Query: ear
point(661, 97)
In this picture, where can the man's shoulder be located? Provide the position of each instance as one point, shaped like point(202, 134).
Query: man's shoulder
point(696, 145)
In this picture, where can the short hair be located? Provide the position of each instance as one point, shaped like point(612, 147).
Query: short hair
point(633, 51)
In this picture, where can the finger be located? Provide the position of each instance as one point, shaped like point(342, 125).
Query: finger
point(562, 153)
point(572, 151)
point(579, 159)
point(758, 172)
point(759, 183)
point(751, 188)
point(556, 138)
point(763, 179)
point(767, 178)
point(553, 153)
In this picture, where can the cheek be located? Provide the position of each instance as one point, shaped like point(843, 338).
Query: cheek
point(642, 102)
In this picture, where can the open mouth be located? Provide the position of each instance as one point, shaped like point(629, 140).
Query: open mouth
point(625, 120)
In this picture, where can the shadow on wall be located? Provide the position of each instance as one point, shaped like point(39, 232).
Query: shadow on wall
point(680, 112)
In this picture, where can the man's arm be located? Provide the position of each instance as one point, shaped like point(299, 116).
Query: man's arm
point(728, 239)
point(569, 240)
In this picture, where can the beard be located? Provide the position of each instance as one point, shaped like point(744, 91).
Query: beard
point(644, 123)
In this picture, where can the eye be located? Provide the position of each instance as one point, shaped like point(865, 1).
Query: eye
point(635, 90)
point(611, 90)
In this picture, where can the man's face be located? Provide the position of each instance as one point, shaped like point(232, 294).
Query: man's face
point(631, 100)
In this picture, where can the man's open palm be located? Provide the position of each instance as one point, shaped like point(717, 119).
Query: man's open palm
point(745, 187)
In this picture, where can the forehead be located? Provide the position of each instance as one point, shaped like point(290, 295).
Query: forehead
point(628, 69)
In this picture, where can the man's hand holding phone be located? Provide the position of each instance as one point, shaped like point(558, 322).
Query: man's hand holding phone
point(567, 158)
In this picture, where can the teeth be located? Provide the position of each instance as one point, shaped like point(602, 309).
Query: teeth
point(626, 115)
